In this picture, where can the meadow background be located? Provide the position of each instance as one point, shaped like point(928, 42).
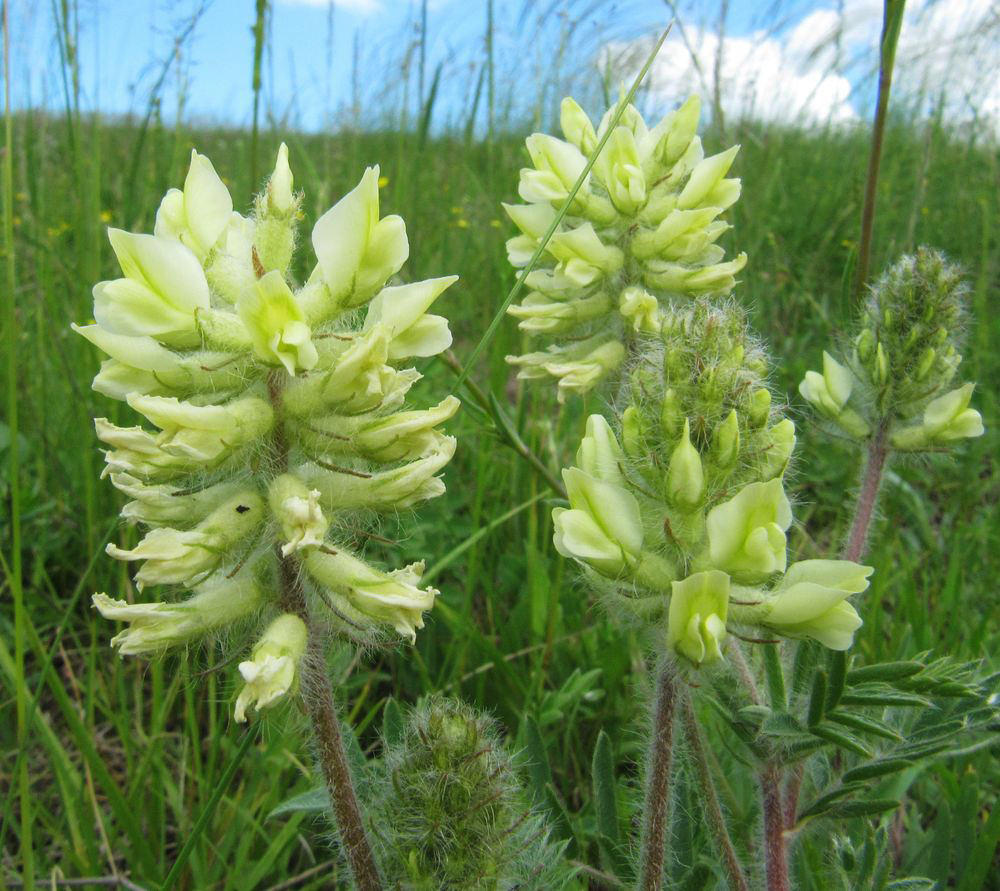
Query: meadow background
point(122, 755)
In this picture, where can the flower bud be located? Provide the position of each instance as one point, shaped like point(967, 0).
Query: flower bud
point(881, 366)
point(696, 625)
point(685, 477)
point(926, 363)
point(746, 535)
point(779, 449)
point(576, 126)
point(676, 131)
point(599, 454)
point(726, 441)
point(811, 601)
point(670, 415)
point(632, 432)
point(760, 407)
point(281, 199)
point(272, 670)
point(865, 344)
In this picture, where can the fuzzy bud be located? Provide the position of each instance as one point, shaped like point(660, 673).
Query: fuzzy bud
point(685, 477)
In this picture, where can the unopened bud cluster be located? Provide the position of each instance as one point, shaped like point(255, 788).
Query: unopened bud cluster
point(903, 362)
point(685, 516)
point(640, 234)
point(277, 418)
point(451, 813)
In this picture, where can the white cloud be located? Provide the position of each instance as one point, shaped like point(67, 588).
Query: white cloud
point(810, 71)
point(758, 77)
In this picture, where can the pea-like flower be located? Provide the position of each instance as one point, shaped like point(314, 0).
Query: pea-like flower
point(603, 527)
point(811, 601)
point(829, 393)
point(696, 623)
point(272, 670)
point(946, 419)
point(746, 534)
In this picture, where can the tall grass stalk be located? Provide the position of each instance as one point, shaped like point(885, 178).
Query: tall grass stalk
point(259, 33)
point(15, 576)
point(892, 23)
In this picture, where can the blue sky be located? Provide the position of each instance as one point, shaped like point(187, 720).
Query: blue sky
point(777, 57)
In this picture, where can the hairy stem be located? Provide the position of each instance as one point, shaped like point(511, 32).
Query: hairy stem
point(871, 482)
point(775, 854)
point(658, 782)
point(317, 694)
point(713, 810)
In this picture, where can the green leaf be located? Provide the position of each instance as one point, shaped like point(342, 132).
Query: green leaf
point(775, 675)
point(884, 671)
point(826, 801)
point(865, 807)
point(605, 801)
point(313, 801)
point(837, 679)
point(978, 866)
point(885, 698)
point(880, 768)
point(817, 700)
point(912, 883)
point(392, 722)
point(842, 739)
point(865, 724)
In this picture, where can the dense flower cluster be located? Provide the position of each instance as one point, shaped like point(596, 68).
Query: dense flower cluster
point(903, 361)
point(640, 234)
point(686, 515)
point(278, 415)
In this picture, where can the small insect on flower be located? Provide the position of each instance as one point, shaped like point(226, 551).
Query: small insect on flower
point(278, 413)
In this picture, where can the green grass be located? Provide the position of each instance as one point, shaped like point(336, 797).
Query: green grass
point(122, 757)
